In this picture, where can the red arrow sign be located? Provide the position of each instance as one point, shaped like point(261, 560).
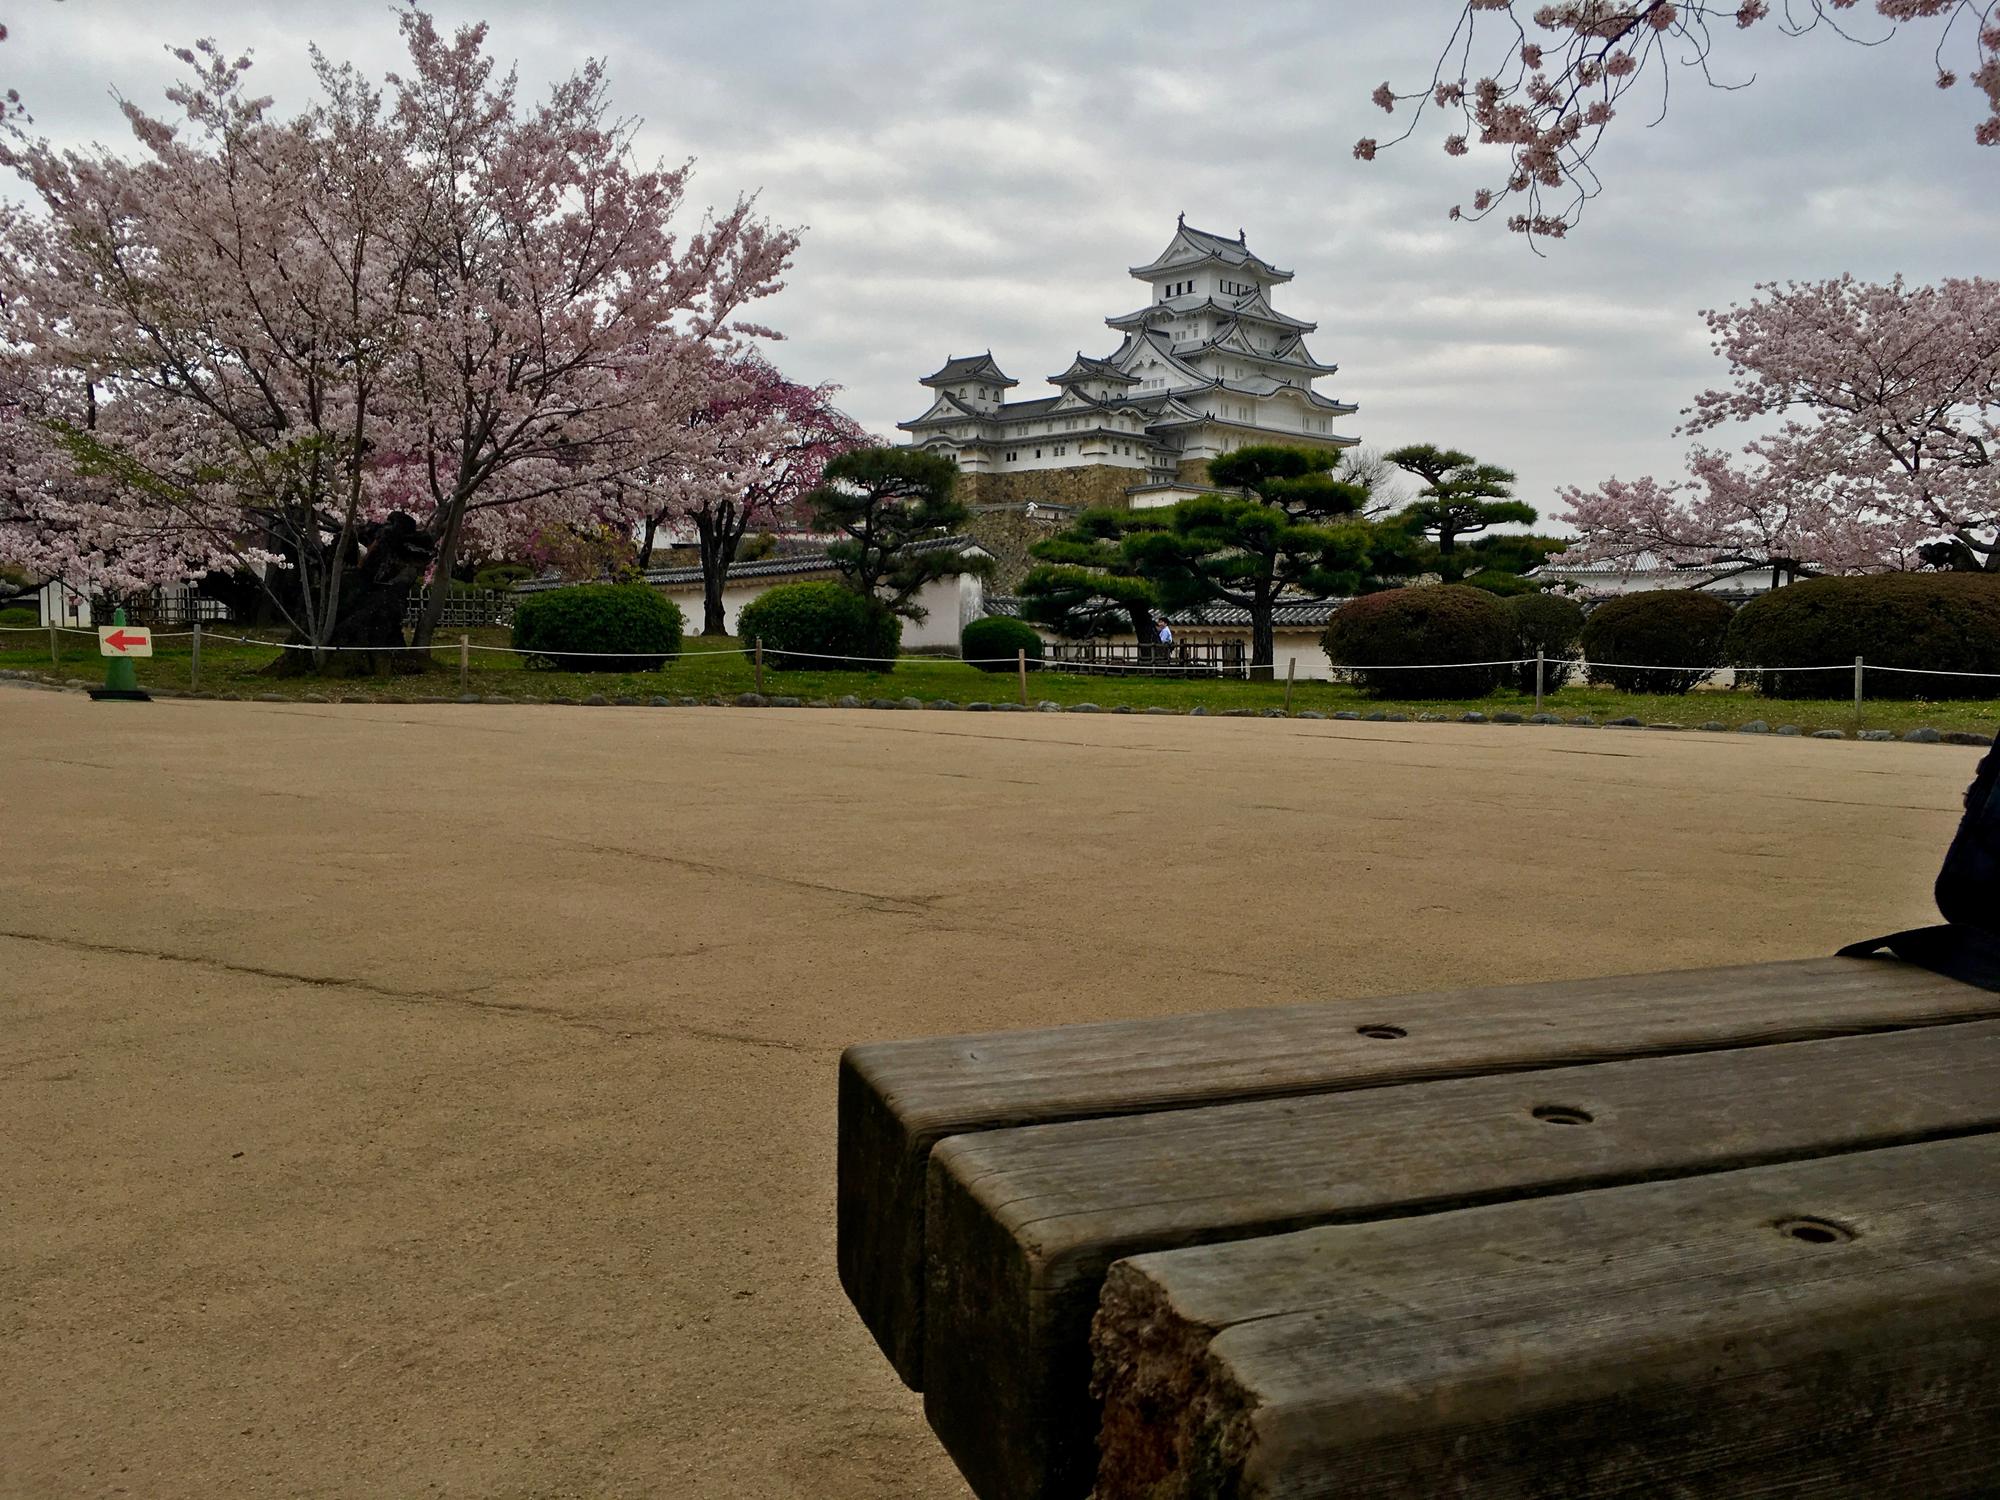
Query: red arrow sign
point(117, 640)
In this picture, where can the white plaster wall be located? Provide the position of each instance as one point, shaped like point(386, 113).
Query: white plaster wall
point(1302, 645)
point(951, 602)
point(60, 604)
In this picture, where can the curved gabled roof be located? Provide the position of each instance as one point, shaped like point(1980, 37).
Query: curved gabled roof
point(1255, 309)
point(1191, 247)
point(980, 367)
point(1083, 367)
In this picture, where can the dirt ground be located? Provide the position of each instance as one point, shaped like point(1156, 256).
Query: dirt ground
point(439, 1100)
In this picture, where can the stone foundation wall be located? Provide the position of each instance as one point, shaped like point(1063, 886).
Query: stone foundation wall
point(1192, 471)
point(1008, 533)
point(1085, 487)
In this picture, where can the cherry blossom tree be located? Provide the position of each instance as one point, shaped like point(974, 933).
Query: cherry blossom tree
point(263, 340)
point(1548, 88)
point(756, 450)
point(1725, 520)
point(1887, 405)
point(1890, 396)
point(566, 323)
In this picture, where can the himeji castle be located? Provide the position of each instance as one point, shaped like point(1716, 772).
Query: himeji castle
point(1207, 366)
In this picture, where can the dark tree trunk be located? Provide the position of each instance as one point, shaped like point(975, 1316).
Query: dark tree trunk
point(1263, 644)
point(374, 595)
point(719, 530)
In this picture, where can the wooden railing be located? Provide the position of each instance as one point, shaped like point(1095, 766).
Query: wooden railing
point(1146, 659)
point(463, 607)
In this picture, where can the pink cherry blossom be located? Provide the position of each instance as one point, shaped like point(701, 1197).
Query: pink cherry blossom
point(1549, 101)
point(1887, 448)
point(258, 336)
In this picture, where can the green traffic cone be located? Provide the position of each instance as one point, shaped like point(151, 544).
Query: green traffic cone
point(120, 679)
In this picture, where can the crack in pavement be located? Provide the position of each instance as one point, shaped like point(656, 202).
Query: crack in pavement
point(81, 945)
point(877, 900)
point(1024, 739)
point(464, 999)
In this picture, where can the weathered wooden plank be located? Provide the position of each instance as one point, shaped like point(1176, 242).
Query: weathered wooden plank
point(897, 1099)
point(1827, 1328)
point(1023, 1224)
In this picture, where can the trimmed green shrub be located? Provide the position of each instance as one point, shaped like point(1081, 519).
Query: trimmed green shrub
point(563, 628)
point(807, 627)
point(16, 617)
point(1946, 621)
point(1552, 625)
point(1410, 627)
point(990, 644)
point(1662, 641)
point(501, 576)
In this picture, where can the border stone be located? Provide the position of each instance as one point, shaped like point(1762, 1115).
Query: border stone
point(1923, 736)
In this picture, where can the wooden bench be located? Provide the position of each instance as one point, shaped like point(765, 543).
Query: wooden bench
point(990, 1185)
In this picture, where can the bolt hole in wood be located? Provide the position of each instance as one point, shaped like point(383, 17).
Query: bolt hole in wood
point(1561, 1114)
point(1382, 1033)
point(1815, 1231)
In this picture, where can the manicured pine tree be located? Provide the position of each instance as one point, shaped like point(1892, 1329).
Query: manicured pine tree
point(883, 501)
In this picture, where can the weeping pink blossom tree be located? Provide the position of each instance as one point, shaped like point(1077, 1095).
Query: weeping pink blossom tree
point(1547, 84)
point(425, 303)
point(1885, 451)
point(754, 451)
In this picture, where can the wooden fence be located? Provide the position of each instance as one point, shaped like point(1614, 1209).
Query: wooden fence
point(1146, 659)
point(463, 607)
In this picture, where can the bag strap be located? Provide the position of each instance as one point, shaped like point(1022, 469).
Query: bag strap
point(1960, 953)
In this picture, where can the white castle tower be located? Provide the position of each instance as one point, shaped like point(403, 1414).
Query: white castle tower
point(1207, 366)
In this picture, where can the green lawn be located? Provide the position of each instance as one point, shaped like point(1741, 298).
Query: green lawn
point(715, 668)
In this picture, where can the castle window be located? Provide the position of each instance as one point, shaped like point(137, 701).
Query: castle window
point(1038, 453)
point(1062, 451)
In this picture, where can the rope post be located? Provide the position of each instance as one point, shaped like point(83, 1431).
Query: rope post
point(1860, 666)
point(760, 665)
point(1541, 663)
point(1291, 670)
point(465, 664)
point(1021, 666)
point(54, 659)
point(194, 661)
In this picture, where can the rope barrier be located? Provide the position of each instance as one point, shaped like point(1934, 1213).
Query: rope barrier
point(1076, 667)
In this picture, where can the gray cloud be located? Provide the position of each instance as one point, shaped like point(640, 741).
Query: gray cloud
point(981, 177)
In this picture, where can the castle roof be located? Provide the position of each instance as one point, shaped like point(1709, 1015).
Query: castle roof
point(1085, 368)
point(1191, 247)
point(1253, 308)
point(979, 367)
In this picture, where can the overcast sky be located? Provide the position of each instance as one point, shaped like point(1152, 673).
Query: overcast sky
point(982, 176)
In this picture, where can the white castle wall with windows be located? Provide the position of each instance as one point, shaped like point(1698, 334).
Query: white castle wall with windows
point(1206, 366)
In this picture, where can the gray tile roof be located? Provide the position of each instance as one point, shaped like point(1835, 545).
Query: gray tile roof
point(798, 563)
point(1299, 614)
point(969, 367)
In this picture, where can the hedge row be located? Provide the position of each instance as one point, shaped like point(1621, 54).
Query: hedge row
point(811, 626)
point(991, 643)
point(1948, 621)
point(598, 627)
point(1664, 641)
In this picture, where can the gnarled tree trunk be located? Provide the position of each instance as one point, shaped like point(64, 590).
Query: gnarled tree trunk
point(374, 595)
